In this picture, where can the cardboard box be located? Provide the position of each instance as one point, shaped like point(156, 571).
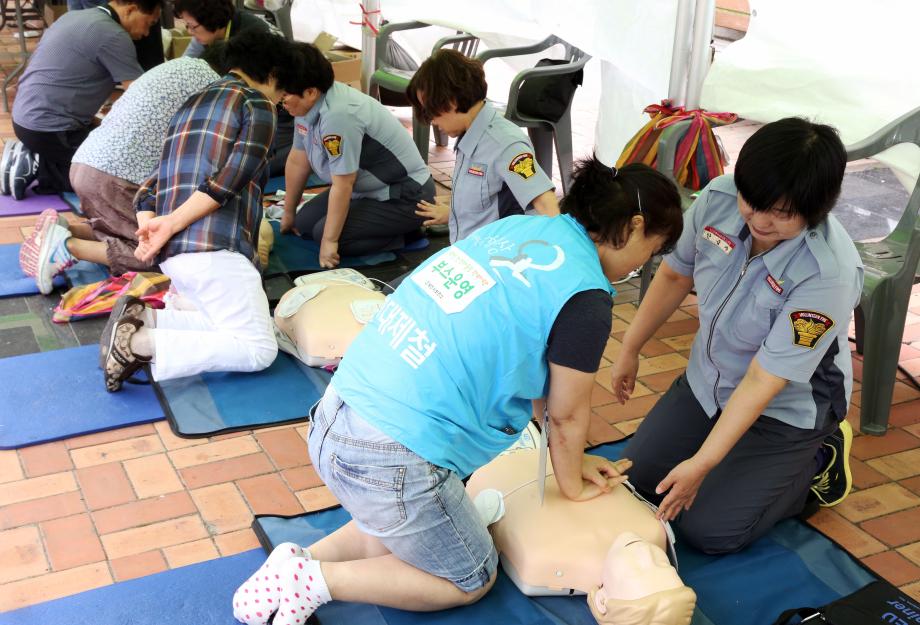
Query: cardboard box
point(179, 40)
point(346, 62)
point(54, 11)
point(346, 65)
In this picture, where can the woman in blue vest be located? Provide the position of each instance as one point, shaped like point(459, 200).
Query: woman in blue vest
point(443, 380)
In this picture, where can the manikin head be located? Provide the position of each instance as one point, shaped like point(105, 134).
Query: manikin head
point(640, 587)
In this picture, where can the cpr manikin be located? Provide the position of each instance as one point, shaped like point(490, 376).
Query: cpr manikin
point(640, 586)
point(562, 547)
point(318, 319)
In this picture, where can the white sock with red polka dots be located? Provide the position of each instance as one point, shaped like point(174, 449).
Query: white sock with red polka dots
point(303, 591)
point(256, 599)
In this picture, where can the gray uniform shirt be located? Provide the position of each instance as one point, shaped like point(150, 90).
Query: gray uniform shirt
point(347, 131)
point(75, 67)
point(789, 307)
point(495, 174)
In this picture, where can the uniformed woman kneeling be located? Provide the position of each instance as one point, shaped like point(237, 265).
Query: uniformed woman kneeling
point(495, 173)
point(756, 424)
point(441, 381)
point(353, 142)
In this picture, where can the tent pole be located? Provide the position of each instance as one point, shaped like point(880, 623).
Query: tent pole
point(680, 55)
point(701, 50)
point(369, 40)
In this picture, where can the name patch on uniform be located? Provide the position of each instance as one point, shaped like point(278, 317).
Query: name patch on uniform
point(453, 280)
point(333, 144)
point(301, 129)
point(718, 239)
point(476, 170)
point(523, 165)
point(809, 326)
point(774, 284)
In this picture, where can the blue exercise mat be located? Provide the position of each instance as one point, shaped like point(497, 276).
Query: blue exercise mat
point(199, 594)
point(792, 566)
point(215, 403)
point(290, 253)
point(58, 394)
point(277, 183)
point(72, 200)
point(84, 272)
point(12, 280)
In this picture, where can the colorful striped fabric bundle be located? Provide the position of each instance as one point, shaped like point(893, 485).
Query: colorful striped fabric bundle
point(699, 157)
point(97, 299)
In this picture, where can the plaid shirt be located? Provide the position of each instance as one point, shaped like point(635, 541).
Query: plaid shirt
point(217, 143)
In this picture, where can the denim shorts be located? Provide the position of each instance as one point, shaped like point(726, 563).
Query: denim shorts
point(419, 511)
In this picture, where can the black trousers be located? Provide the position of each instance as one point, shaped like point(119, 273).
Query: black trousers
point(55, 150)
point(764, 479)
point(371, 225)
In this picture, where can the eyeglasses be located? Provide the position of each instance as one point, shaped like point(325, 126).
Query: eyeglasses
point(639, 202)
point(191, 27)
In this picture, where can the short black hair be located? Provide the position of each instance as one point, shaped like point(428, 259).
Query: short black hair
point(261, 55)
point(793, 165)
point(446, 79)
point(604, 200)
point(214, 55)
point(212, 14)
point(310, 69)
point(146, 6)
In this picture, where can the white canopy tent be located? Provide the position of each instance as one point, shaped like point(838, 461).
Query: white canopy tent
point(849, 64)
point(630, 41)
point(845, 64)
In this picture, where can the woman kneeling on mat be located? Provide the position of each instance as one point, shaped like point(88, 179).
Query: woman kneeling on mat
point(199, 216)
point(441, 381)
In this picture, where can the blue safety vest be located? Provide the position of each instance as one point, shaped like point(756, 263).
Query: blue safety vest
point(450, 364)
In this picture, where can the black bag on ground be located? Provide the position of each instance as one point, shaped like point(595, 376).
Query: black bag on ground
point(548, 97)
point(877, 603)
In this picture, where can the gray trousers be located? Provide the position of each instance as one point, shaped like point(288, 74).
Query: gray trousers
point(764, 479)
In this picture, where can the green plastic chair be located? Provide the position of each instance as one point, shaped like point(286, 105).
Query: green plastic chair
point(667, 148)
point(390, 79)
point(890, 268)
point(544, 133)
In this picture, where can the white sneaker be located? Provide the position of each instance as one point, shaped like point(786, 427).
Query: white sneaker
point(53, 257)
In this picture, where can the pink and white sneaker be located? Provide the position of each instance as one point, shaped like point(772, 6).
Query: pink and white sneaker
point(53, 257)
point(29, 250)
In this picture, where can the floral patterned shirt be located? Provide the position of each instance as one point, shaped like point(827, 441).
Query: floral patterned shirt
point(129, 142)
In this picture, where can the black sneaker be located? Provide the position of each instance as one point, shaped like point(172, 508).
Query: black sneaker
point(833, 484)
point(6, 161)
point(21, 172)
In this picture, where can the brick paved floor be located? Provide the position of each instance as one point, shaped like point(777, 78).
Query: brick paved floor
point(98, 509)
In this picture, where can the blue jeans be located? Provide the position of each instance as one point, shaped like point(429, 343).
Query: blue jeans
point(419, 511)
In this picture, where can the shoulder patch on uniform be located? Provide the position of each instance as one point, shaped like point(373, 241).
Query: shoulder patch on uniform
point(808, 327)
point(333, 144)
point(523, 165)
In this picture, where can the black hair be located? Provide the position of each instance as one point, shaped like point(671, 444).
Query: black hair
point(261, 55)
point(792, 165)
point(212, 14)
point(446, 79)
point(310, 69)
point(214, 55)
point(145, 6)
point(604, 200)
